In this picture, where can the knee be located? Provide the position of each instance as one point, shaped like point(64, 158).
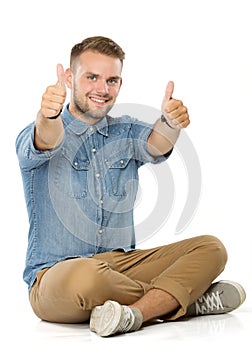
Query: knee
point(215, 249)
point(87, 276)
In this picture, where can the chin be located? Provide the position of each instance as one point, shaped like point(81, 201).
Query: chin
point(98, 114)
point(95, 115)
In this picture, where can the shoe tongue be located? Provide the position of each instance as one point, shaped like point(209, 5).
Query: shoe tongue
point(208, 303)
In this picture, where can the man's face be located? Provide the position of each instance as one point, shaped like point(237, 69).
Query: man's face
point(95, 82)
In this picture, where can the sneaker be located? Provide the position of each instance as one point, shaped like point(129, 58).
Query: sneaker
point(221, 297)
point(112, 318)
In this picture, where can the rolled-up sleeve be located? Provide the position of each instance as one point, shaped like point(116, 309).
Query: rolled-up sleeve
point(28, 156)
point(140, 134)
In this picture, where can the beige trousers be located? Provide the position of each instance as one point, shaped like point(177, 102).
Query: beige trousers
point(67, 291)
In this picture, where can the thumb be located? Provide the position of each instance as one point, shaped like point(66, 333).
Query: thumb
point(61, 76)
point(169, 90)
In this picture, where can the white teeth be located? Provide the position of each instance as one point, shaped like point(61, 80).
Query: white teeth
point(97, 100)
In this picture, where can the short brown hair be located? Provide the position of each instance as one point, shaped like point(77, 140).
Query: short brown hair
point(98, 44)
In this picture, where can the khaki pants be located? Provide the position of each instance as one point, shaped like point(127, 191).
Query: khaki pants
point(68, 291)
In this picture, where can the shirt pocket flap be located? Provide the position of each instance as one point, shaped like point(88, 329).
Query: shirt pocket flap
point(120, 163)
point(120, 159)
point(77, 162)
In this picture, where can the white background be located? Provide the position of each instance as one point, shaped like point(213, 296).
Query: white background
point(203, 46)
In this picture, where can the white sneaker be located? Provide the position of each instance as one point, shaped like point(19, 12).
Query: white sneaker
point(221, 297)
point(112, 318)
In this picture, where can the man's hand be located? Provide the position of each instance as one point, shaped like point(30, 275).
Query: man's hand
point(49, 133)
point(54, 96)
point(163, 137)
point(173, 110)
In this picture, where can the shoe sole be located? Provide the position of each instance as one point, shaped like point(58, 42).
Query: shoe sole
point(105, 319)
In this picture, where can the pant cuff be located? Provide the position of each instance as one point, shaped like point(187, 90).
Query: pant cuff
point(178, 292)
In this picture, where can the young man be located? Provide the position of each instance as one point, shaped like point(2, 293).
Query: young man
point(80, 170)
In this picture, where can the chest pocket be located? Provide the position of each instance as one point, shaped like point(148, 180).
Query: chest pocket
point(75, 171)
point(120, 173)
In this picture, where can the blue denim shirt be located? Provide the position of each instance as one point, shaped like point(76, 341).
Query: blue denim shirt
point(80, 195)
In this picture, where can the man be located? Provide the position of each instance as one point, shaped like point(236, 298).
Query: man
point(80, 174)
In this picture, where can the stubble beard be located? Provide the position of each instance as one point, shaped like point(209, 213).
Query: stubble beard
point(84, 112)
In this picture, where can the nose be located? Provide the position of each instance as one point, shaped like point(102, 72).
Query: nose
point(102, 86)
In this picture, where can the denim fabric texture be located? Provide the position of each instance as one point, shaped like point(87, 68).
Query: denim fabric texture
point(80, 196)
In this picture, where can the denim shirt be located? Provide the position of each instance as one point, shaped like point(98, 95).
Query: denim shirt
point(80, 196)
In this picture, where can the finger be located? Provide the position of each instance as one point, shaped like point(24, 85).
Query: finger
point(48, 112)
point(52, 105)
point(53, 91)
point(184, 124)
point(178, 111)
point(180, 119)
point(169, 90)
point(61, 76)
point(172, 105)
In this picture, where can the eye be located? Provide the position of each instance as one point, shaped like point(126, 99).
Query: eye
point(91, 77)
point(113, 81)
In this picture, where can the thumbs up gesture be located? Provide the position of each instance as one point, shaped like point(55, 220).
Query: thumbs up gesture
point(54, 96)
point(173, 110)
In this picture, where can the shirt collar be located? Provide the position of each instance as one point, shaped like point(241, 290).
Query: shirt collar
point(79, 127)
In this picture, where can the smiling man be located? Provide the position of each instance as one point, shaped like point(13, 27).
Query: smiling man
point(95, 84)
point(80, 175)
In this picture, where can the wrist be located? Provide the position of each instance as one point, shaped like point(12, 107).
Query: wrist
point(164, 120)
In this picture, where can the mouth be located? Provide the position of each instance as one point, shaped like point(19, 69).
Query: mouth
point(99, 100)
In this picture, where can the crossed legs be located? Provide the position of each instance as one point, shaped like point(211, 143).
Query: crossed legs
point(161, 281)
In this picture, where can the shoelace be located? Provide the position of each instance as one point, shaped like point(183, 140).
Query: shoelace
point(127, 320)
point(208, 303)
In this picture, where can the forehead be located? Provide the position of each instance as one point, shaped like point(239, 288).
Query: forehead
point(97, 63)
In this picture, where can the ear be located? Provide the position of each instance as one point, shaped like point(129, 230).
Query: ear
point(68, 77)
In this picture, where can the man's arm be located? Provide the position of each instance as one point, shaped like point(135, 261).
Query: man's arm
point(49, 130)
point(167, 129)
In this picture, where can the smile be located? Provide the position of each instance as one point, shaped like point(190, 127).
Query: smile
point(99, 100)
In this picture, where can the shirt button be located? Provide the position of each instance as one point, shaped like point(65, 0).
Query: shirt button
point(100, 231)
point(91, 128)
point(121, 161)
point(101, 201)
point(93, 150)
point(75, 163)
point(97, 175)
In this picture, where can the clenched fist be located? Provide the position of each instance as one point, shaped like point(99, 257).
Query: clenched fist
point(54, 96)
